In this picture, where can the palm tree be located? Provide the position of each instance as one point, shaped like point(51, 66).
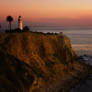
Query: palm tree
point(9, 19)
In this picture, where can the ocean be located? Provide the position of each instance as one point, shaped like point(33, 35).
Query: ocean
point(81, 40)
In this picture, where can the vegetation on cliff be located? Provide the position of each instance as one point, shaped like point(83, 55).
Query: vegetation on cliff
point(37, 62)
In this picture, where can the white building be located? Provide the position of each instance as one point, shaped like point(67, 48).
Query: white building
point(20, 24)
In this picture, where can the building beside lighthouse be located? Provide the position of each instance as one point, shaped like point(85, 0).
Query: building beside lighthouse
point(20, 23)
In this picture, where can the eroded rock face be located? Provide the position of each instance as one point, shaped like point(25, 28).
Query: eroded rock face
point(34, 62)
point(26, 46)
point(15, 75)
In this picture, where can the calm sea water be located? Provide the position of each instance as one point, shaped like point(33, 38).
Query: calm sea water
point(81, 39)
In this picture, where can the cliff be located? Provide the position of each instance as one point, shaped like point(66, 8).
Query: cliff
point(37, 62)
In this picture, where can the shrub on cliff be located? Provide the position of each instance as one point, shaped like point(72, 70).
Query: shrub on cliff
point(26, 29)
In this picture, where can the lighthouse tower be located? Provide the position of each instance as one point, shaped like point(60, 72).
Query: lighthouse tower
point(20, 25)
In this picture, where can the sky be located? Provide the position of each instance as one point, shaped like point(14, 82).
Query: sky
point(48, 12)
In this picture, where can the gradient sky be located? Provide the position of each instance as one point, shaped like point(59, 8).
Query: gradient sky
point(51, 12)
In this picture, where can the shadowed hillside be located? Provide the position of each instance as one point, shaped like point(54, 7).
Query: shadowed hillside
point(37, 62)
point(15, 75)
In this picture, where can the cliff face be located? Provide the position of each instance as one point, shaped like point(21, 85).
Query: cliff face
point(40, 47)
point(32, 62)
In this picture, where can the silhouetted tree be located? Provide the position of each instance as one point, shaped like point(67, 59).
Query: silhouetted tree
point(9, 19)
point(0, 26)
point(26, 28)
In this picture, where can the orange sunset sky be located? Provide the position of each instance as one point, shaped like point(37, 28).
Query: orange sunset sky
point(51, 12)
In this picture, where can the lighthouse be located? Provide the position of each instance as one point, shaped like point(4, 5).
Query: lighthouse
point(20, 24)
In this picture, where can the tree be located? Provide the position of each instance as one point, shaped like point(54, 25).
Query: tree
point(0, 26)
point(26, 28)
point(9, 19)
